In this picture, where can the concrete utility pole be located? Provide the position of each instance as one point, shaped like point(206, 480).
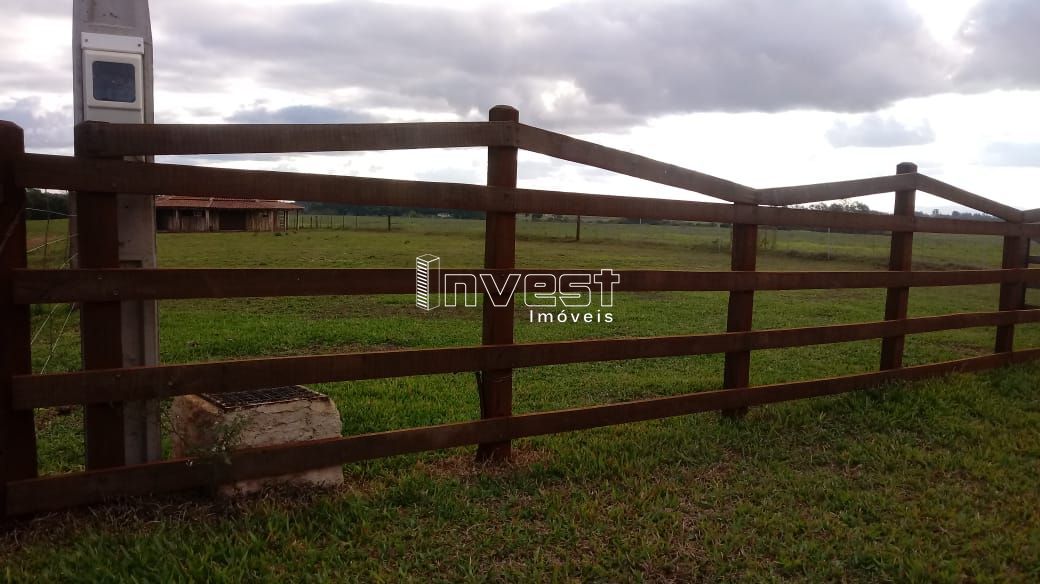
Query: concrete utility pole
point(112, 81)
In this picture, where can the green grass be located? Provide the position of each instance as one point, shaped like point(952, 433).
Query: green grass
point(934, 480)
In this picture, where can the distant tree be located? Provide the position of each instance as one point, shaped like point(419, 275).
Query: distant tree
point(841, 206)
point(39, 202)
point(383, 211)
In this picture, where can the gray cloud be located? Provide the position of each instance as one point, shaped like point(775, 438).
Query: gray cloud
point(875, 131)
point(218, 159)
point(21, 71)
point(1012, 154)
point(300, 114)
point(1005, 38)
point(27, 77)
point(37, 8)
point(628, 61)
point(611, 64)
point(455, 174)
point(43, 129)
point(539, 168)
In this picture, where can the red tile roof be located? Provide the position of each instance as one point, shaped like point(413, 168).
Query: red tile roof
point(173, 202)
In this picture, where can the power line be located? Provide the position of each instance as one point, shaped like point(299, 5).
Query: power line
point(54, 345)
point(51, 242)
point(49, 211)
point(68, 260)
point(43, 324)
point(61, 195)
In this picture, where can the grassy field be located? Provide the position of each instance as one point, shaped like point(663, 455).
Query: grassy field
point(935, 480)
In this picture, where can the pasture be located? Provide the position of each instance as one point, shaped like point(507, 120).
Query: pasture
point(932, 480)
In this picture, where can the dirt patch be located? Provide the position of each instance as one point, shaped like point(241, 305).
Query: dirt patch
point(463, 464)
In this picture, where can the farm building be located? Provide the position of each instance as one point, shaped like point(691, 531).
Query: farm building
point(199, 214)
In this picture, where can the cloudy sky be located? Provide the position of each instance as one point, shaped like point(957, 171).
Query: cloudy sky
point(763, 92)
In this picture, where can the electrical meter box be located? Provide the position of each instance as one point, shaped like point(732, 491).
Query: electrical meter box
point(112, 61)
point(113, 78)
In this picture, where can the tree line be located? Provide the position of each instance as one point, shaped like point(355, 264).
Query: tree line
point(39, 202)
point(378, 210)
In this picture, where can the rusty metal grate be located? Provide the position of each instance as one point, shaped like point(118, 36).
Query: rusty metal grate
point(259, 397)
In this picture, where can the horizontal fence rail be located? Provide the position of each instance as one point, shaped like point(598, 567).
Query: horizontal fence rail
point(107, 140)
point(49, 493)
point(1030, 216)
point(98, 285)
point(590, 154)
point(47, 171)
point(836, 190)
point(830, 191)
point(135, 383)
point(971, 200)
point(100, 139)
point(112, 140)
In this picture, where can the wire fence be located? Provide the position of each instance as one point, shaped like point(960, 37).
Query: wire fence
point(57, 339)
point(48, 334)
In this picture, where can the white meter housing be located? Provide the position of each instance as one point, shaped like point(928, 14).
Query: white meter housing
point(113, 78)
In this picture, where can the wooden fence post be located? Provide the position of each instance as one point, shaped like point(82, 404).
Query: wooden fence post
point(1012, 295)
point(101, 327)
point(900, 258)
point(577, 229)
point(17, 428)
point(496, 386)
point(743, 257)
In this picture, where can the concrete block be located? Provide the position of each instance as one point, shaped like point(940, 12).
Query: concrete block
point(215, 424)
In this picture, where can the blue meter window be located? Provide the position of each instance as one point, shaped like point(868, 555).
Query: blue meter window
point(114, 81)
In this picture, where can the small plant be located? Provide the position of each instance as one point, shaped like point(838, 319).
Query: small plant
point(766, 242)
point(219, 437)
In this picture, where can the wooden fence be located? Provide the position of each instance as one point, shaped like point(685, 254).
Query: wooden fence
point(97, 172)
